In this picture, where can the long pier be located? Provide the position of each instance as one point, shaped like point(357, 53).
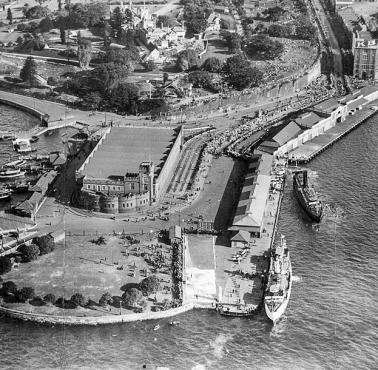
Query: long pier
point(312, 148)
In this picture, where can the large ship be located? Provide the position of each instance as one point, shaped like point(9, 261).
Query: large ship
point(278, 288)
point(307, 196)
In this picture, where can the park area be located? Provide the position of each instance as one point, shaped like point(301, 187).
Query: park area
point(105, 270)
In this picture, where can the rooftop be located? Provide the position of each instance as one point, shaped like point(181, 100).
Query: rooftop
point(307, 120)
point(123, 149)
point(327, 106)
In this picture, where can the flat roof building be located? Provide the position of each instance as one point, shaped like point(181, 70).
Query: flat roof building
point(129, 167)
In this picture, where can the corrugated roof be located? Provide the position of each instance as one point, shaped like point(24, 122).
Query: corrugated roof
point(307, 120)
point(261, 163)
point(290, 131)
point(327, 106)
point(241, 236)
point(125, 148)
point(357, 103)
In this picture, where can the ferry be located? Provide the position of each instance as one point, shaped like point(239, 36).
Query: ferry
point(10, 173)
point(307, 196)
point(16, 163)
point(278, 288)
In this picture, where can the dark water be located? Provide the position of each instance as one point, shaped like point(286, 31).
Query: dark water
point(331, 321)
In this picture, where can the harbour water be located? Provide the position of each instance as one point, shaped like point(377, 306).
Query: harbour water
point(331, 319)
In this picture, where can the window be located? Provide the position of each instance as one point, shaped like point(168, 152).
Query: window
point(112, 205)
point(132, 186)
point(103, 187)
point(113, 187)
point(145, 186)
point(88, 186)
point(98, 187)
point(123, 205)
point(119, 188)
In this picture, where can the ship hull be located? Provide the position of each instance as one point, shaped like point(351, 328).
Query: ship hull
point(275, 316)
point(316, 216)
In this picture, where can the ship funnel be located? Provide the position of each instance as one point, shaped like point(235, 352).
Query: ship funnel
point(305, 180)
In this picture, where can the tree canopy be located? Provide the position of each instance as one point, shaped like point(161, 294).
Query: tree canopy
point(132, 297)
point(240, 74)
point(5, 265)
point(25, 294)
point(78, 299)
point(212, 64)
point(150, 284)
point(29, 252)
point(46, 243)
point(9, 287)
point(84, 52)
point(36, 12)
point(263, 47)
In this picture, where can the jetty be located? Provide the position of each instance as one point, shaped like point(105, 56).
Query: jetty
point(312, 148)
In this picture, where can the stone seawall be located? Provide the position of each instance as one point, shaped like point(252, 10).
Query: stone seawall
point(34, 112)
point(93, 320)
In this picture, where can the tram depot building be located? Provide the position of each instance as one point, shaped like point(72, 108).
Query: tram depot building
point(129, 168)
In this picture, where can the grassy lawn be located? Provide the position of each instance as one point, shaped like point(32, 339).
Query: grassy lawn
point(81, 266)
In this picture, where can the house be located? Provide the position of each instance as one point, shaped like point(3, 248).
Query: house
point(240, 239)
point(154, 56)
point(175, 234)
point(213, 22)
point(180, 31)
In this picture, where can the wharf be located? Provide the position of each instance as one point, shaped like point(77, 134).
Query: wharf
point(310, 149)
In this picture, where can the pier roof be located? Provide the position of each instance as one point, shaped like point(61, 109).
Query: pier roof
point(327, 106)
point(123, 149)
point(357, 103)
point(249, 213)
point(307, 120)
point(287, 133)
point(261, 164)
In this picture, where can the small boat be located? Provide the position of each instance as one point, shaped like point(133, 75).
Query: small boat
point(7, 137)
point(17, 163)
point(157, 327)
point(174, 323)
point(34, 139)
point(22, 146)
point(5, 194)
point(10, 173)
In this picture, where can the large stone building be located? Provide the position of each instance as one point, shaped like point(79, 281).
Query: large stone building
point(130, 168)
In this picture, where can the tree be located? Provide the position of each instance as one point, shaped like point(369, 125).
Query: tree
point(78, 300)
point(150, 65)
point(240, 74)
point(127, 38)
point(124, 97)
point(117, 19)
point(274, 14)
point(122, 56)
point(263, 47)
point(49, 298)
point(59, 5)
point(150, 284)
point(9, 287)
point(28, 70)
point(29, 252)
point(106, 75)
point(105, 299)
point(212, 64)
point(162, 21)
point(84, 52)
point(233, 41)
point(45, 25)
point(25, 294)
point(277, 30)
point(200, 78)
point(187, 59)
point(37, 12)
point(40, 2)
point(45, 243)
point(62, 34)
point(132, 296)
point(9, 16)
point(5, 265)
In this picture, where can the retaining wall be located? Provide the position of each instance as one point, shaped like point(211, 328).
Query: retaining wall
point(36, 113)
point(93, 320)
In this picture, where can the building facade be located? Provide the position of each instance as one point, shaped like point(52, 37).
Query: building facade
point(365, 59)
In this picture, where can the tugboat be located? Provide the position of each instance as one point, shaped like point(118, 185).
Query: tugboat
point(307, 196)
point(278, 288)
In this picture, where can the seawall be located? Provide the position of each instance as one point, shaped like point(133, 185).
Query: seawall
point(93, 320)
point(36, 113)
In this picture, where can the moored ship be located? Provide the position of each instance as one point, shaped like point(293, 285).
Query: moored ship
point(278, 288)
point(307, 196)
point(10, 173)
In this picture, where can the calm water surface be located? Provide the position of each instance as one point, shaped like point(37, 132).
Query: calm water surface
point(331, 321)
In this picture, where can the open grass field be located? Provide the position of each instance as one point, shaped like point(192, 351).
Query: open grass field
point(80, 266)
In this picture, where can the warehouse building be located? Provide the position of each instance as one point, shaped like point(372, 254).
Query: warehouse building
point(129, 169)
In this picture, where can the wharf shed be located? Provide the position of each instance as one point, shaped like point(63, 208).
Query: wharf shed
point(307, 120)
point(129, 168)
point(250, 210)
point(280, 136)
point(331, 107)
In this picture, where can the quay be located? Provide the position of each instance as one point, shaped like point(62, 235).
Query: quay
point(312, 148)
